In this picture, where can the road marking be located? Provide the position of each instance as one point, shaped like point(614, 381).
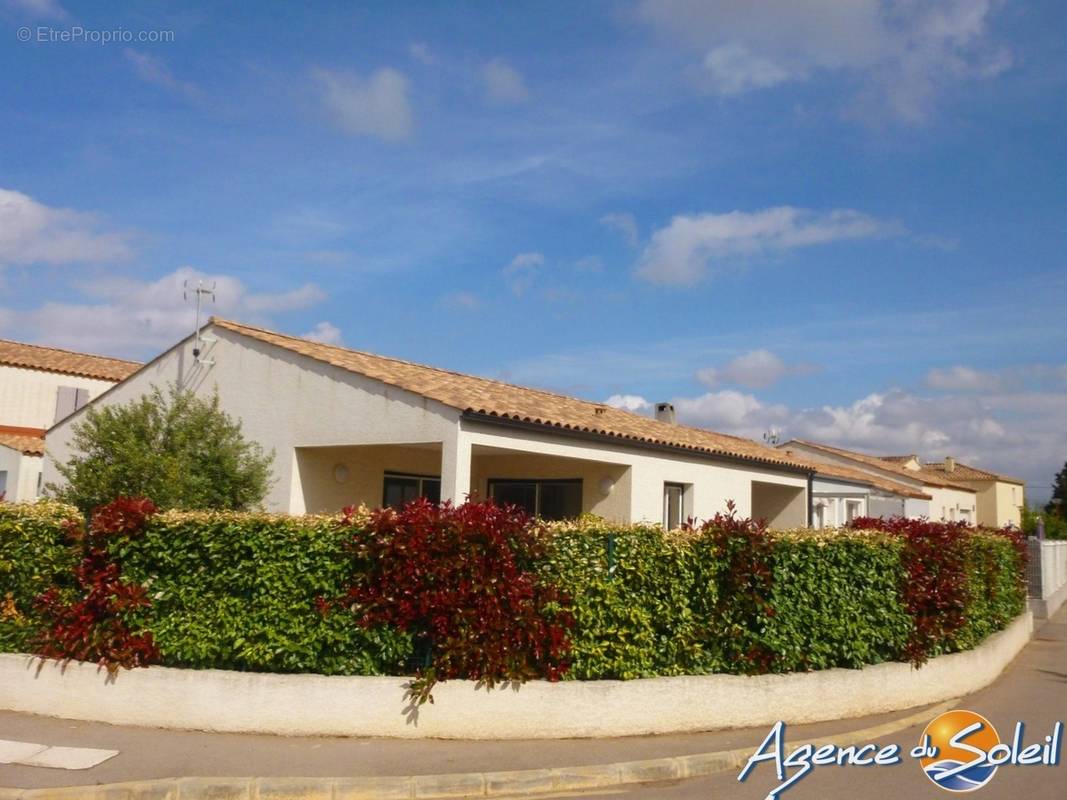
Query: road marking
point(29, 754)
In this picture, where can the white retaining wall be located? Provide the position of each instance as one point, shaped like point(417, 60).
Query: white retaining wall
point(216, 700)
point(1053, 578)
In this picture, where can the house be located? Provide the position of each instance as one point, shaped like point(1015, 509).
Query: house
point(1000, 497)
point(38, 387)
point(840, 494)
point(935, 496)
point(351, 427)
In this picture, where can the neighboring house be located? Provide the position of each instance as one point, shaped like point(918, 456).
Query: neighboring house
point(841, 494)
point(38, 387)
point(352, 427)
point(1000, 497)
point(934, 496)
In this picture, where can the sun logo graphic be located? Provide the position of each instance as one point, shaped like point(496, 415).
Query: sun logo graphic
point(957, 746)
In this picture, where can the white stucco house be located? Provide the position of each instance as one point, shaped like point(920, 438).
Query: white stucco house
point(38, 387)
point(840, 494)
point(1000, 498)
point(351, 427)
point(932, 494)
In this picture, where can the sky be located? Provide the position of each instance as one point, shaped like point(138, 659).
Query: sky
point(833, 220)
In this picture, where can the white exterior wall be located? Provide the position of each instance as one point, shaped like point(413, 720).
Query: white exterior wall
point(712, 483)
point(946, 504)
point(832, 496)
point(22, 471)
point(283, 401)
point(28, 396)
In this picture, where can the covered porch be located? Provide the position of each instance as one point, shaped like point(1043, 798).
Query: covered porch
point(328, 478)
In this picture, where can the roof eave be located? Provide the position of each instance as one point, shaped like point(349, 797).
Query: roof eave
point(629, 441)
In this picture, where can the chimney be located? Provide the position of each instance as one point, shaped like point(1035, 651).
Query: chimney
point(665, 413)
point(950, 464)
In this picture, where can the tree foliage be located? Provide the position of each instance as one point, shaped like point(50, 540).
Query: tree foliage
point(1058, 503)
point(177, 449)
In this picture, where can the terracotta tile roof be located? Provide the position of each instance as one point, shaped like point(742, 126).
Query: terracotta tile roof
point(505, 401)
point(858, 476)
point(67, 362)
point(888, 466)
point(27, 445)
point(963, 472)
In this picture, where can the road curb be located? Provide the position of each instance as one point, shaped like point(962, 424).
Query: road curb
point(510, 784)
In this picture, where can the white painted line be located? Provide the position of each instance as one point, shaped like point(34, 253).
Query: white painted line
point(68, 758)
point(10, 751)
point(30, 754)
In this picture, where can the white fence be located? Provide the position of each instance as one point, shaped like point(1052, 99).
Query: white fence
point(1047, 576)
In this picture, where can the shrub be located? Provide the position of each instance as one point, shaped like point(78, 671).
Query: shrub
point(92, 625)
point(177, 449)
point(239, 590)
point(482, 592)
point(959, 584)
point(459, 579)
point(35, 555)
point(1055, 525)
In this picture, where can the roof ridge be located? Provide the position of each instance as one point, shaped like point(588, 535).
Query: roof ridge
point(414, 363)
point(69, 352)
point(764, 453)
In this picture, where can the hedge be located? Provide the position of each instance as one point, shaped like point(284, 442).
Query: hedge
point(35, 555)
point(342, 594)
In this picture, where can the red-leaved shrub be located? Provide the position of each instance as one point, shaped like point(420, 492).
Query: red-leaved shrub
point(935, 583)
point(745, 587)
point(459, 580)
point(92, 627)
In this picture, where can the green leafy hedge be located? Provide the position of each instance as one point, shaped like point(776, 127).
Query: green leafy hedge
point(34, 556)
point(267, 593)
point(240, 591)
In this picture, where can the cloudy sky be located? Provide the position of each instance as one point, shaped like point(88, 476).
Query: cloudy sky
point(842, 220)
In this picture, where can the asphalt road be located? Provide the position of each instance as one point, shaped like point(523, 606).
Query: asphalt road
point(1032, 690)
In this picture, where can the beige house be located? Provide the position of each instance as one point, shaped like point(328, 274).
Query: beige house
point(935, 496)
point(38, 387)
point(1000, 497)
point(352, 427)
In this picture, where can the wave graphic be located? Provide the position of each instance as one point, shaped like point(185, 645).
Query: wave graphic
point(966, 781)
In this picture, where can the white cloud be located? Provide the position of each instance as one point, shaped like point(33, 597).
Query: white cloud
point(959, 378)
point(127, 316)
point(374, 106)
point(1017, 432)
point(326, 333)
point(629, 402)
point(903, 53)
point(522, 271)
point(503, 83)
point(47, 9)
point(691, 247)
point(33, 233)
point(756, 369)
point(421, 52)
point(625, 224)
point(734, 69)
point(154, 70)
point(464, 301)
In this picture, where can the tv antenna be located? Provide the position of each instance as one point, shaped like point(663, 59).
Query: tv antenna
point(772, 437)
point(201, 292)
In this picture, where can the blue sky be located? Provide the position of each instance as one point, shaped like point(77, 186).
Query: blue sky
point(845, 221)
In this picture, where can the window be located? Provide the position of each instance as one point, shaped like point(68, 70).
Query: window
point(852, 510)
point(820, 515)
point(547, 499)
point(673, 505)
point(3, 482)
point(68, 400)
point(399, 490)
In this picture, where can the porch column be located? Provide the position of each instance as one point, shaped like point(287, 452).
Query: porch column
point(456, 467)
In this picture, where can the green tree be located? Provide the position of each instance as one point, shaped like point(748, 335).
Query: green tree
point(1058, 503)
point(177, 449)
